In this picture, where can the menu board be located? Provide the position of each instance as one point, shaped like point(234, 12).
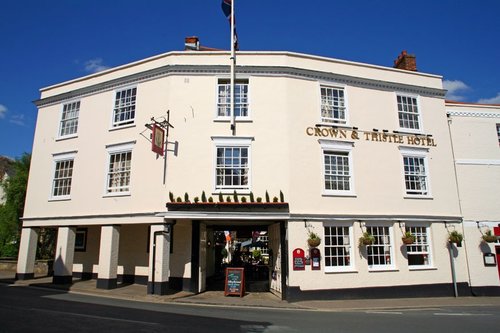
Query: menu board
point(235, 281)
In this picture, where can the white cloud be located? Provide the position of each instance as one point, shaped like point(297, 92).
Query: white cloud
point(455, 89)
point(493, 100)
point(17, 119)
point(95, 65)
point(3, 111)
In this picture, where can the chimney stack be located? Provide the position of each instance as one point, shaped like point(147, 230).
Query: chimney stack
point(406, 61)
point(192, 44)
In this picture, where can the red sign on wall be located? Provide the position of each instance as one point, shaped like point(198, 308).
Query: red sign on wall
point(158, 141)
point(299, 260)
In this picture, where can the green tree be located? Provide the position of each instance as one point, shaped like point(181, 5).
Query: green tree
point(12, 210)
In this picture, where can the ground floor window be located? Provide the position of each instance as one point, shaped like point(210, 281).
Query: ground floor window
point(419, 251)
point(81, 239)
point(338, 249)
point(380, 252)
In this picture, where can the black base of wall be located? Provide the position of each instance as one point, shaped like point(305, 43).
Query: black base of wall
point(486, 291)
point(58, 279)
point(425, 290)
point(158, 288)
point(106, 283)
point(25, 276)
point(178, 283)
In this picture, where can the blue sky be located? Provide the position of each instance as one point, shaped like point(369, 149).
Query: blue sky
point(44, 42)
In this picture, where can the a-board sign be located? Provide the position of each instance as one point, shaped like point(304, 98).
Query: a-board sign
point(235, 281)
point(315, 259)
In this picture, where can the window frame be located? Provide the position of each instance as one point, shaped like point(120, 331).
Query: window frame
point(60, 158)
point(351, 248)
point(61, 136)
point(498, 133)
point(130, 122)
point(115, 149)
point(391, 244)
point(339, 122)
point(232, 142)
point(225, 82)
point(344, 148)
point(84, 232)
point(417, 98)
point(428, 244)
point(420, 153)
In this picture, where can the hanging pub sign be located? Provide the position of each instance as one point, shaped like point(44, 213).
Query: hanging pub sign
point(158, 141)
point(299, 260)
point(235, 281)
point(315, 259)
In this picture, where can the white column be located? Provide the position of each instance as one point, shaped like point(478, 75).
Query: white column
point(159, 259)
point(27, 253)
point(107, 274)
point(65, 251)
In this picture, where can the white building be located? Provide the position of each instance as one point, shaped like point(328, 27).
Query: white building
point(352, 147)
point(475, 132)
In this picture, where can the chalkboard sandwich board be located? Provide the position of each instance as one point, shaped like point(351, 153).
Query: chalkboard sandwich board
point(235, 281)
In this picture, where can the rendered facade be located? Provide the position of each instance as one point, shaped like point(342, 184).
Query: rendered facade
point(346, 148)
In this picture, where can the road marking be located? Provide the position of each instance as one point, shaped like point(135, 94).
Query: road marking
point(384, 312)
point(462, 314)
point(96, 317)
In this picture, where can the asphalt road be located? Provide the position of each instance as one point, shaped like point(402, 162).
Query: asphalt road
point(24, 309)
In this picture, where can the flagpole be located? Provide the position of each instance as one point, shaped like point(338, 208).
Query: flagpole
point(233, 67)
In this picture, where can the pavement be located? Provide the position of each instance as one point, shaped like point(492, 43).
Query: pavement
point(135, 292)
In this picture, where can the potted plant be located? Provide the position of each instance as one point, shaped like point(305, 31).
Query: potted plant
point(367, 239)
point(408, 238)
point(455, 237)
point(314, 240)
point(488, 237)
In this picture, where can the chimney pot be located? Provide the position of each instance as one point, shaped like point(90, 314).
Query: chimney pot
point(192, 43)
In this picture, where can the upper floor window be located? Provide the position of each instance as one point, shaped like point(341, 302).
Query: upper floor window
point(333, 106)
point(380, 253)
point(240, 99)
point(124, 108)
point(63, 176)
point(119, 168)
point(408, 113)
point(419, 251)
point(415, 175)
point(69, 119)
point(337, 167)
point(338, 248)
point(232, 165)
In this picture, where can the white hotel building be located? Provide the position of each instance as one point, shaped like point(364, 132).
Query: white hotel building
point(352, 147)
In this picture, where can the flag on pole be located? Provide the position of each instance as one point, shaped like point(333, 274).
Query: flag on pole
point(226, 9)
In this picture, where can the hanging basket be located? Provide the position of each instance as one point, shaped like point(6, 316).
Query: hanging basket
point(489, 238)
point(408, 240)
point(314, 242)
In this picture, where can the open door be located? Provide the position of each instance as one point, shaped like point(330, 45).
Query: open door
point(202, 274)
point(275, 275)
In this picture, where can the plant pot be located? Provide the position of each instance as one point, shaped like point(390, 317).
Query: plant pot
point(314, 242)
point(489, 238)
point(366, 241)
point(408, 240)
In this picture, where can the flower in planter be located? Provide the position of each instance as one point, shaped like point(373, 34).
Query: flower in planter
point(408, 238)
point(488, 237)
point(313, 239)
point(455, 237)
point(366, 239)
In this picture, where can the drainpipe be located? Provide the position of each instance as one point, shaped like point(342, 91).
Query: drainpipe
point(453, 274)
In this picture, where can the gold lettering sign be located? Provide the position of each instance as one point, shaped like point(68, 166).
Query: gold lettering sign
point(354, 134)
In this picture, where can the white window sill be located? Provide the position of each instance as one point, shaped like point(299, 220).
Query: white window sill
point(339, 194)
point(336, 270)
point(333, 124)
point(119, 127)
point(410, 131)
point(228, 119)
point(422, 268)
point(116, 194)
point(420, 197)
point(62, 198)
point(383, 269)
point(67, 137)
point(231, 191)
